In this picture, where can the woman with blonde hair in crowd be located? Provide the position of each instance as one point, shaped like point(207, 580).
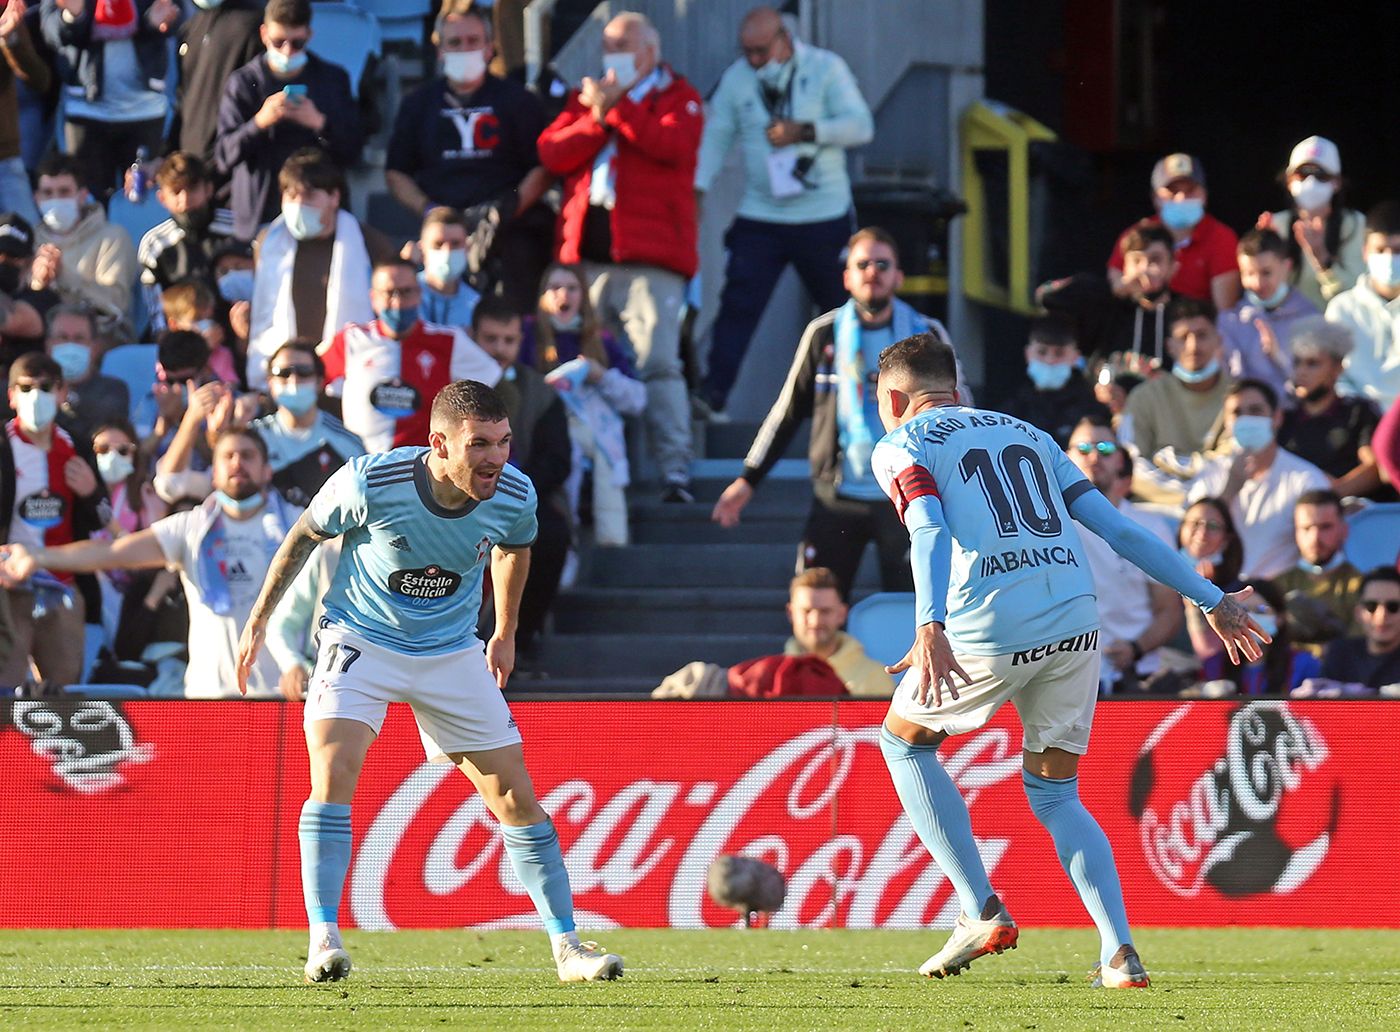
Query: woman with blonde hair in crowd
point(583, 362)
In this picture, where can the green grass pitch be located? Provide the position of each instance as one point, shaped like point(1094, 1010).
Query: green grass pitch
point(1294, 979)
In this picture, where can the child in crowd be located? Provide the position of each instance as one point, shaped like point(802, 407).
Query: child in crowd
point(1256, 332)
point(190, 306)
point(1058, 396)
point(584, 363)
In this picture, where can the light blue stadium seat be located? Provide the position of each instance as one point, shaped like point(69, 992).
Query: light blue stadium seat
point(135, 365)
point(110, 692)
point(401, 21)
point(136, 219)
point(347, 36)
point(884, 625)
point(1373, 536)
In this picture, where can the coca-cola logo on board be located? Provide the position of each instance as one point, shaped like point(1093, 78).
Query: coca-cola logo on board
point(1239, 800)
point(434, 846)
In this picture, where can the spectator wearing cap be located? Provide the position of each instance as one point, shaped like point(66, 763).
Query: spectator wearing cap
point(795, 110)
point(1204, 246)
point(182, 246)
point(21, 63)
point(282, 101)
point(1371, 310)
point(93, 400)
point(21, 307)
point(1257, 330)
point(88, 260)
point(1339, 434)
point(1324, 236)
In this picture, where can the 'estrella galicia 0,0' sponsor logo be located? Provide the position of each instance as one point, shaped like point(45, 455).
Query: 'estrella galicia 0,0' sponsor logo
point(430, 582)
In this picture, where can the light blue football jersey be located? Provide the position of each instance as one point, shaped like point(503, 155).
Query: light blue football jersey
point(410, 570)
point(1019, 573)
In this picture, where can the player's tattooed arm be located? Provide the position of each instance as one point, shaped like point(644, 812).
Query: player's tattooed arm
point(300, 542)
point(1236, 628)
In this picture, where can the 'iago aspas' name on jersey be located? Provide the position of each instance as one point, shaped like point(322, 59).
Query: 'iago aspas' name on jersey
point(1018, 577)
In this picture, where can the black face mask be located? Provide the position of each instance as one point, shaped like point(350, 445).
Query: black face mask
point(1317, 394)
point(9, 278)
point(196, 221)
point(875, 309)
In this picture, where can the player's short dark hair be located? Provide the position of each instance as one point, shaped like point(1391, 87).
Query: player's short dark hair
point(1146, 233)
point(1383, 218)
point(59, 165)
point(1249, 383)
point(246, 432)
point(302, 346)
point(1261, 241)
point(1380, 575)
point(467, 399)
point(309, 169)
point(293, 13)
point(1054, 330)
point(1183, 308)
point(182, 349)
point(1320, 496)
point(925, 358)
point(36, 364)
point(497, 309)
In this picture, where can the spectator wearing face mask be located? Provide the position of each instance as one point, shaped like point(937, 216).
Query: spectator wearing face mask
point(190, 306)
point(282, 101)
point(1324, 236)
point(1282, 667)
point(1058, 396)
point(448, 300)
point(1259, 481)
point(1371, 310)
point(1203, 246)
point(181, 247)
point(305, 445)
point(50, 496)
point(314, 263)
point(1256, 332)
point(92, 399)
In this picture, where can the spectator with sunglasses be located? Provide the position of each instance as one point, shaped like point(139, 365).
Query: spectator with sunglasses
point(280, 102)
point(1137, 615)
point(182, 363)
point(1360, 666)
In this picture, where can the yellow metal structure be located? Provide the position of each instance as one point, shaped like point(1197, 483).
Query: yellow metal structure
point(989, 126)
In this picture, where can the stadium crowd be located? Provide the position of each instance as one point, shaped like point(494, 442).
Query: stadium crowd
point(176, 399)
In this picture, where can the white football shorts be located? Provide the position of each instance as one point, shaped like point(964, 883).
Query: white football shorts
point(454, 697)
point(1053, 687)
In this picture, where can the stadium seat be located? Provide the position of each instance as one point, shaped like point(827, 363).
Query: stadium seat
point(135, 364)
point(401, 21)
point(110, 692)
point(347, 36)
point(1373, 536)
point(884, 625)
point(136, 219)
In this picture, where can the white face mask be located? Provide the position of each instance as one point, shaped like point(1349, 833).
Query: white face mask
point(464, 66)
point(60, 213)
point(445, 264)
point(303, 221)
point(73, 358)
point(623, 67)
point(1311, 193)
point(36, 410)
point(114, 467)
point(1384, 269)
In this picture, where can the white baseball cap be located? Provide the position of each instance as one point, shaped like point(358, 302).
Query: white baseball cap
point(1319, 151)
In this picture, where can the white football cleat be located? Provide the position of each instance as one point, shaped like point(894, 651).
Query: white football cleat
point(1124, 971)
point(585, 962)
point(972, 939)
point(329, 964)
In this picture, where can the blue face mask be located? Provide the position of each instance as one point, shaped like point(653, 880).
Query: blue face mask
point(240, 506)
point(236, 285)
point(298, 400)
point(1048, 377)
point(284, 64)
point(303, 221)
point(1182, 214)
point(1200, 375)
point(1253, 433)
point(1267, 303)
point(399, 321)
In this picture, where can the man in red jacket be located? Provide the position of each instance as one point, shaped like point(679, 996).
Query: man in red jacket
point(626, 146)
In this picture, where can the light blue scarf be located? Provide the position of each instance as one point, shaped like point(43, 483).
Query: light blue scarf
point(213, 548)
point(857, 439)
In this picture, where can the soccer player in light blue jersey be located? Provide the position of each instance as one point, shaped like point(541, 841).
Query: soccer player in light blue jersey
point(1005, 603)
point(419, 527)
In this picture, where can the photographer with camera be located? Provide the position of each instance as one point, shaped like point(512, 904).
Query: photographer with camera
point(794, 110)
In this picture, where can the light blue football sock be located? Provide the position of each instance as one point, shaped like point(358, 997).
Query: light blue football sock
point(939, 814)
point(534, 854)
point(324, 833)
point(1085, 855)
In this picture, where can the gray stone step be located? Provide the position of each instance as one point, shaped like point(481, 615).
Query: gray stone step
point(672, 611)
point(732, 440)
point(669, 566)
point(645, 656)
point(787, 530)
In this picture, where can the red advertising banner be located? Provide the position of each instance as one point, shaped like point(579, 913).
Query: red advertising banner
point(183, 814)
